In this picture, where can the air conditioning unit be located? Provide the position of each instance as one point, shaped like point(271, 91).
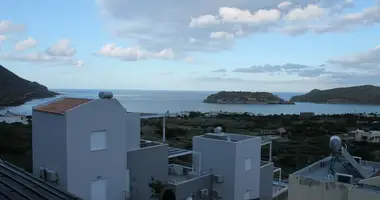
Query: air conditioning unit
point(218, 178)
point(51, 175)
point(42, 173)
point(203, 193)
point(216, 193)
point(343, 178)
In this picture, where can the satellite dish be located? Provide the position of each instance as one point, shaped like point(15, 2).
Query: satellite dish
point(218, 130)
point(335, 143)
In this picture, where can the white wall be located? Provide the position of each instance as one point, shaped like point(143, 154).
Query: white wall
point(49, 144)
point(84, 165)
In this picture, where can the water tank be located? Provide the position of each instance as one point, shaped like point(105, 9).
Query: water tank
point(105, 95)
point(335, 143)
point(218, 130)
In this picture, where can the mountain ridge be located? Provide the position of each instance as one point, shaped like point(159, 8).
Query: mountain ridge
point(15, 90)
point(362, 94)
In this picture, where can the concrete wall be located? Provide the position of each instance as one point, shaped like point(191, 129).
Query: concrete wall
point(220, 156)
point(133, 130)
point(193, 186)
point(146, 163)
point(84, 165)
point(266, 182)
point(359, 194)
point(301, 188)
point(247, 180)
point(49, 145)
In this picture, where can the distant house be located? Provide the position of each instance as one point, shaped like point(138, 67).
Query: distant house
point(366, 136)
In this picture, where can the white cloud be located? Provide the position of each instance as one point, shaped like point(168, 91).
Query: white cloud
point(42, 58)
point(364, 60)
point(61, 48)
point(309, 12)
point(284, 5)
point(236, 15)
point(25, 44)
point(204, 20)
point(222, 35)
point(3, 38)
point(185, 26)
point(6, 26)
point(134, 53)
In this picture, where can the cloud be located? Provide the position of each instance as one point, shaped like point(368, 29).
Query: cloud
point(58, 54)
point(134, 53)
point(289, 67)
point(316, 72)
point(42, 58)
point(203, 21)
point(220, 71)
point(309, 12)
point(338, 23)
point(364, 60)
point(25, 44)
point(284, 5)
point(3, 38)
point(157, 25)
point(6, 26)
point(222, 35)
point(61, 48)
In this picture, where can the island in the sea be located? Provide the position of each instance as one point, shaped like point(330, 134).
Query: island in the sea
point(233, 97)
point(16, 91)
point(364, 94)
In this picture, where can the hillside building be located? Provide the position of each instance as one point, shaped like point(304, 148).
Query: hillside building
point(92, 149)
point(337, 177)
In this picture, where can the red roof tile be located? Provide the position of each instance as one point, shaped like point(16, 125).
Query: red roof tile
point(61, 106)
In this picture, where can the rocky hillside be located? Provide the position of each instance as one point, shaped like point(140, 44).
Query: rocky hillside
point(364, 94)
point(244, 98)
point(16, 91)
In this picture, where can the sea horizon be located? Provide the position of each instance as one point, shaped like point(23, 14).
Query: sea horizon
point(174, 101)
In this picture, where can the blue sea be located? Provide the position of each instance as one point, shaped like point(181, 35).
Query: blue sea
point(177, 101)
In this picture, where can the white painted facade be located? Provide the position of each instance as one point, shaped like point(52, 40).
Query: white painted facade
point(367, 136)
point(87, 146)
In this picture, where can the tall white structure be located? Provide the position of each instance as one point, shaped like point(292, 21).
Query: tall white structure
point(81, 146)
point(233, 158)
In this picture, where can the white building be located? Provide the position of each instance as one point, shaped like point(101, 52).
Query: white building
point(366, 136)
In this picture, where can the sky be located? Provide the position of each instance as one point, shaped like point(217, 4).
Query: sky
point(240, 45)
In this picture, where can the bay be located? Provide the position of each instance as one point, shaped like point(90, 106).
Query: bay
point(176, 101)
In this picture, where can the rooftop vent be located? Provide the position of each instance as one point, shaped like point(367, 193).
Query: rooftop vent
point(105, 95)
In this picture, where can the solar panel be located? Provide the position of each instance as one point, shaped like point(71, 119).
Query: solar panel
point(176, 152)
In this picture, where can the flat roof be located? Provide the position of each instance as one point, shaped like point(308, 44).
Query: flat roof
point(321, 169)
point(16, 183)
point(62, 105)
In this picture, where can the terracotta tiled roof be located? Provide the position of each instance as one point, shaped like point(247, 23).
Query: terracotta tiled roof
point(61, 106)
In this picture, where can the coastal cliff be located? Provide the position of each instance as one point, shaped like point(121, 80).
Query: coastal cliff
point(244, 98)
point(16, 91)
point(364, 94)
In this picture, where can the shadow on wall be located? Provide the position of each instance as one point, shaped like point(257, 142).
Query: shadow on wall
point(168, 195)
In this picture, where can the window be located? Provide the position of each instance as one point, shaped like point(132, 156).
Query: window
point(248, 163)
point(247, 195)
point(99, 189)
point(98, 140)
